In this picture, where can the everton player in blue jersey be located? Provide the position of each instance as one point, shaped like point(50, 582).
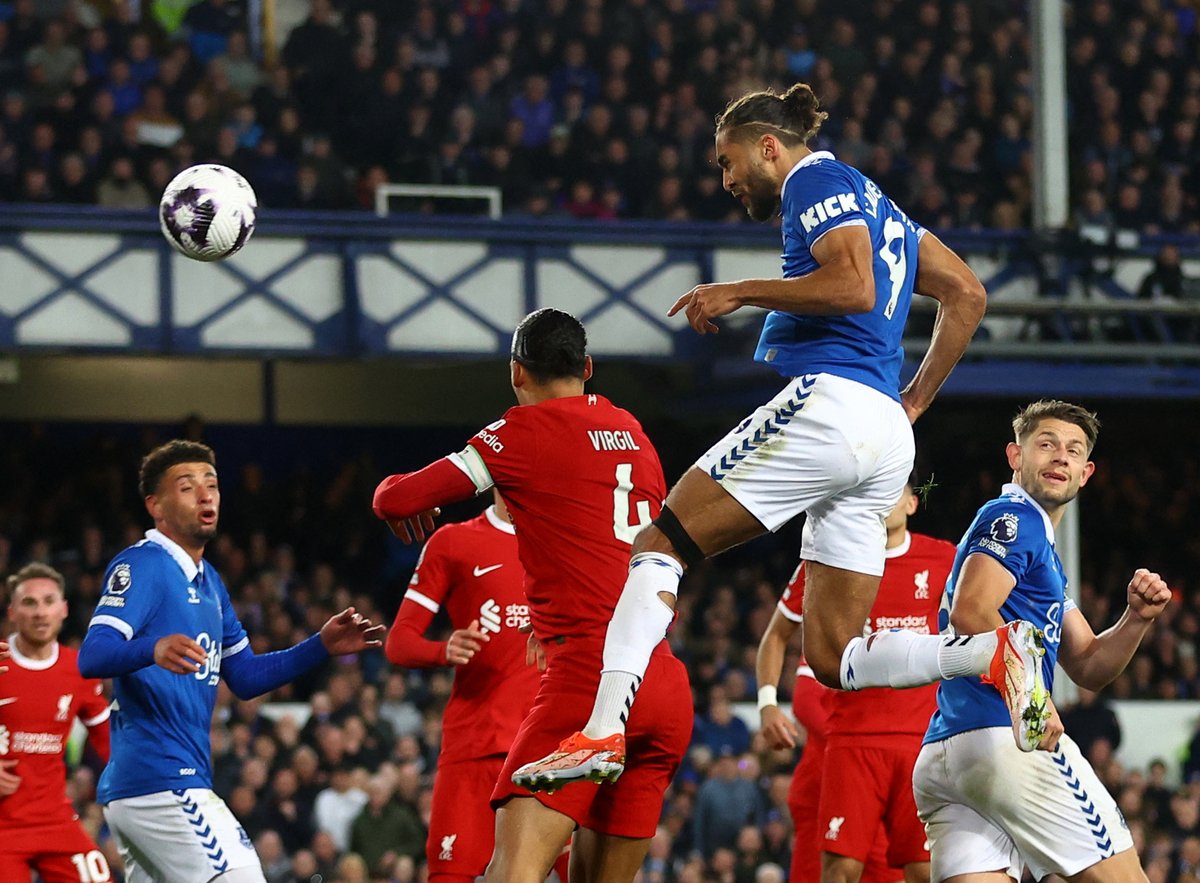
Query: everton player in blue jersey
point(836, 442)
point(166, 632)
point(988, 809)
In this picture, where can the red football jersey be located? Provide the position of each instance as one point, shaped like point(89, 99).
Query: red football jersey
point(472, 570)
point(39, 701)
point(914, 578)
point(580, 479)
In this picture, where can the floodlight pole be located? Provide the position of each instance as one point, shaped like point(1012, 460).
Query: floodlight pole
point(1051, 212)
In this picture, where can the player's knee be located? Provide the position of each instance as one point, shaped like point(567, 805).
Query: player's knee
point(668, 536)
point(825, 663)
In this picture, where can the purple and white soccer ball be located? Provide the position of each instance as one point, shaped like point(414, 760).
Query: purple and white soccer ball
point(207, 212)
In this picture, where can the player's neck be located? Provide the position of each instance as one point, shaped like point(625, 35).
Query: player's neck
point(195, 552)
point(896, 538)
point(30, 650)
point(535, 393)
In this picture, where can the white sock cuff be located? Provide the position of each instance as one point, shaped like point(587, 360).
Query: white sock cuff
point(648, 564)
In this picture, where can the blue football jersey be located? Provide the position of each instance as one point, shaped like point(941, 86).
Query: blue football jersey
point(1016, 531)
point(161, 720)
point(821, 194)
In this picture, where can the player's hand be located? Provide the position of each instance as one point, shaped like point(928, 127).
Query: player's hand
point(9, 781)
point(416, 528)
point(535, 653)
point(1148, 594)
point(705, 302)
point(179, 654)
point(1054, 729)
point(465, 643)
point(777, 728)
point(911, 407)
point(350, 632)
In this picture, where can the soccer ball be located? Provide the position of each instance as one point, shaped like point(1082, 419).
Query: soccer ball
point(207, 212)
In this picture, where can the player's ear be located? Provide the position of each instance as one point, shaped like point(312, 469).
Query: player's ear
point(1088, 469)
point(588, 369)
point(1013, 452)
point(913, 503)
point(519, 374)
point(153, 507)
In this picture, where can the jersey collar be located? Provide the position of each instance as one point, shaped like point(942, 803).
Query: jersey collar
point(813, 157)
point(182, 558)
point(1015, 490)
point(497, 522)
point(901, 549)
point(25, 662)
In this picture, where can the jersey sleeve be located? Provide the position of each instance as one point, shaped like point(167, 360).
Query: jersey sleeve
point(1009, 533)
point(130, 595)
point(94, 707)
point(820, 198)
point(502, 453)
point(434, 574)
point(791, 605)
point(233, 634)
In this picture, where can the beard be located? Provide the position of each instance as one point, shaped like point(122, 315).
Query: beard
point(1050, 496)
point(762, 196)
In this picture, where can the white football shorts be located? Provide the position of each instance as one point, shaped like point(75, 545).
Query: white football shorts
point(828, 446)
point(988, 806)
point(185, 836)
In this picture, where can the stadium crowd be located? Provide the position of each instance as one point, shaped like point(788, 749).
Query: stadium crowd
point(343, 789)
point(594, 109)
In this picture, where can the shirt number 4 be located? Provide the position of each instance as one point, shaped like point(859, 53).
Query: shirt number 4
point(625, 532)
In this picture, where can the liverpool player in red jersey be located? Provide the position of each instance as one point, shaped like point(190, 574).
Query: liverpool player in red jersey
point(580, 478)
point(473, 572)
point(872, 736)
point(41, 694)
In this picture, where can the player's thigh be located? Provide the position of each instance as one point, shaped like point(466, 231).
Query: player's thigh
point(711, 517)
point(836, 604)
point(85, 866)
point(788, 455)
point(180, 836)
point(840, 868)
point(604, 858)
point(241, 875)
point(1124, 867)
point(1051, 804)
point(462, 823)
point(529, 838)
point(964, 846)
point(917, 872)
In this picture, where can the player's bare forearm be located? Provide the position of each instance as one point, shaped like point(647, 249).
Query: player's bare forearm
point(772, 649)
point(843, 284)
point(1109, 653)
point(1094, 661)
point(962, 302)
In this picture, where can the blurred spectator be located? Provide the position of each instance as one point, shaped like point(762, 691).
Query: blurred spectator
point(386, 828)
point(1091, 721)
point(336, 807)
point(726, 802)
point(1165, 281)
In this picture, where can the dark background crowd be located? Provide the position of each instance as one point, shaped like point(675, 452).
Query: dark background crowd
point(346, 793)
point(595, 109)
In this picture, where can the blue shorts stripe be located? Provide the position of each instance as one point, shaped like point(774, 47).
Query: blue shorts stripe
point(1091, 815)
point(772, 426)
point(203, 831)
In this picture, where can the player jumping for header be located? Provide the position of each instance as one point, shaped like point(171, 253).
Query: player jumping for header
point(835, 443)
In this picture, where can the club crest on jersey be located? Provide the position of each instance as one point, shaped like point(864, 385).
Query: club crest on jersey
point(119, 580)
point(193, 598)
point(835, 827)
point(921, 585)
point(447, 853)
point(1004, 528)
point(64, 706)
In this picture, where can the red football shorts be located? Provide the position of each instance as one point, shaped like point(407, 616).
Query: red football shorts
point(72, 858)
point(462, 823)
point(804, 799)
point(867, 787)
point(656, 738)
